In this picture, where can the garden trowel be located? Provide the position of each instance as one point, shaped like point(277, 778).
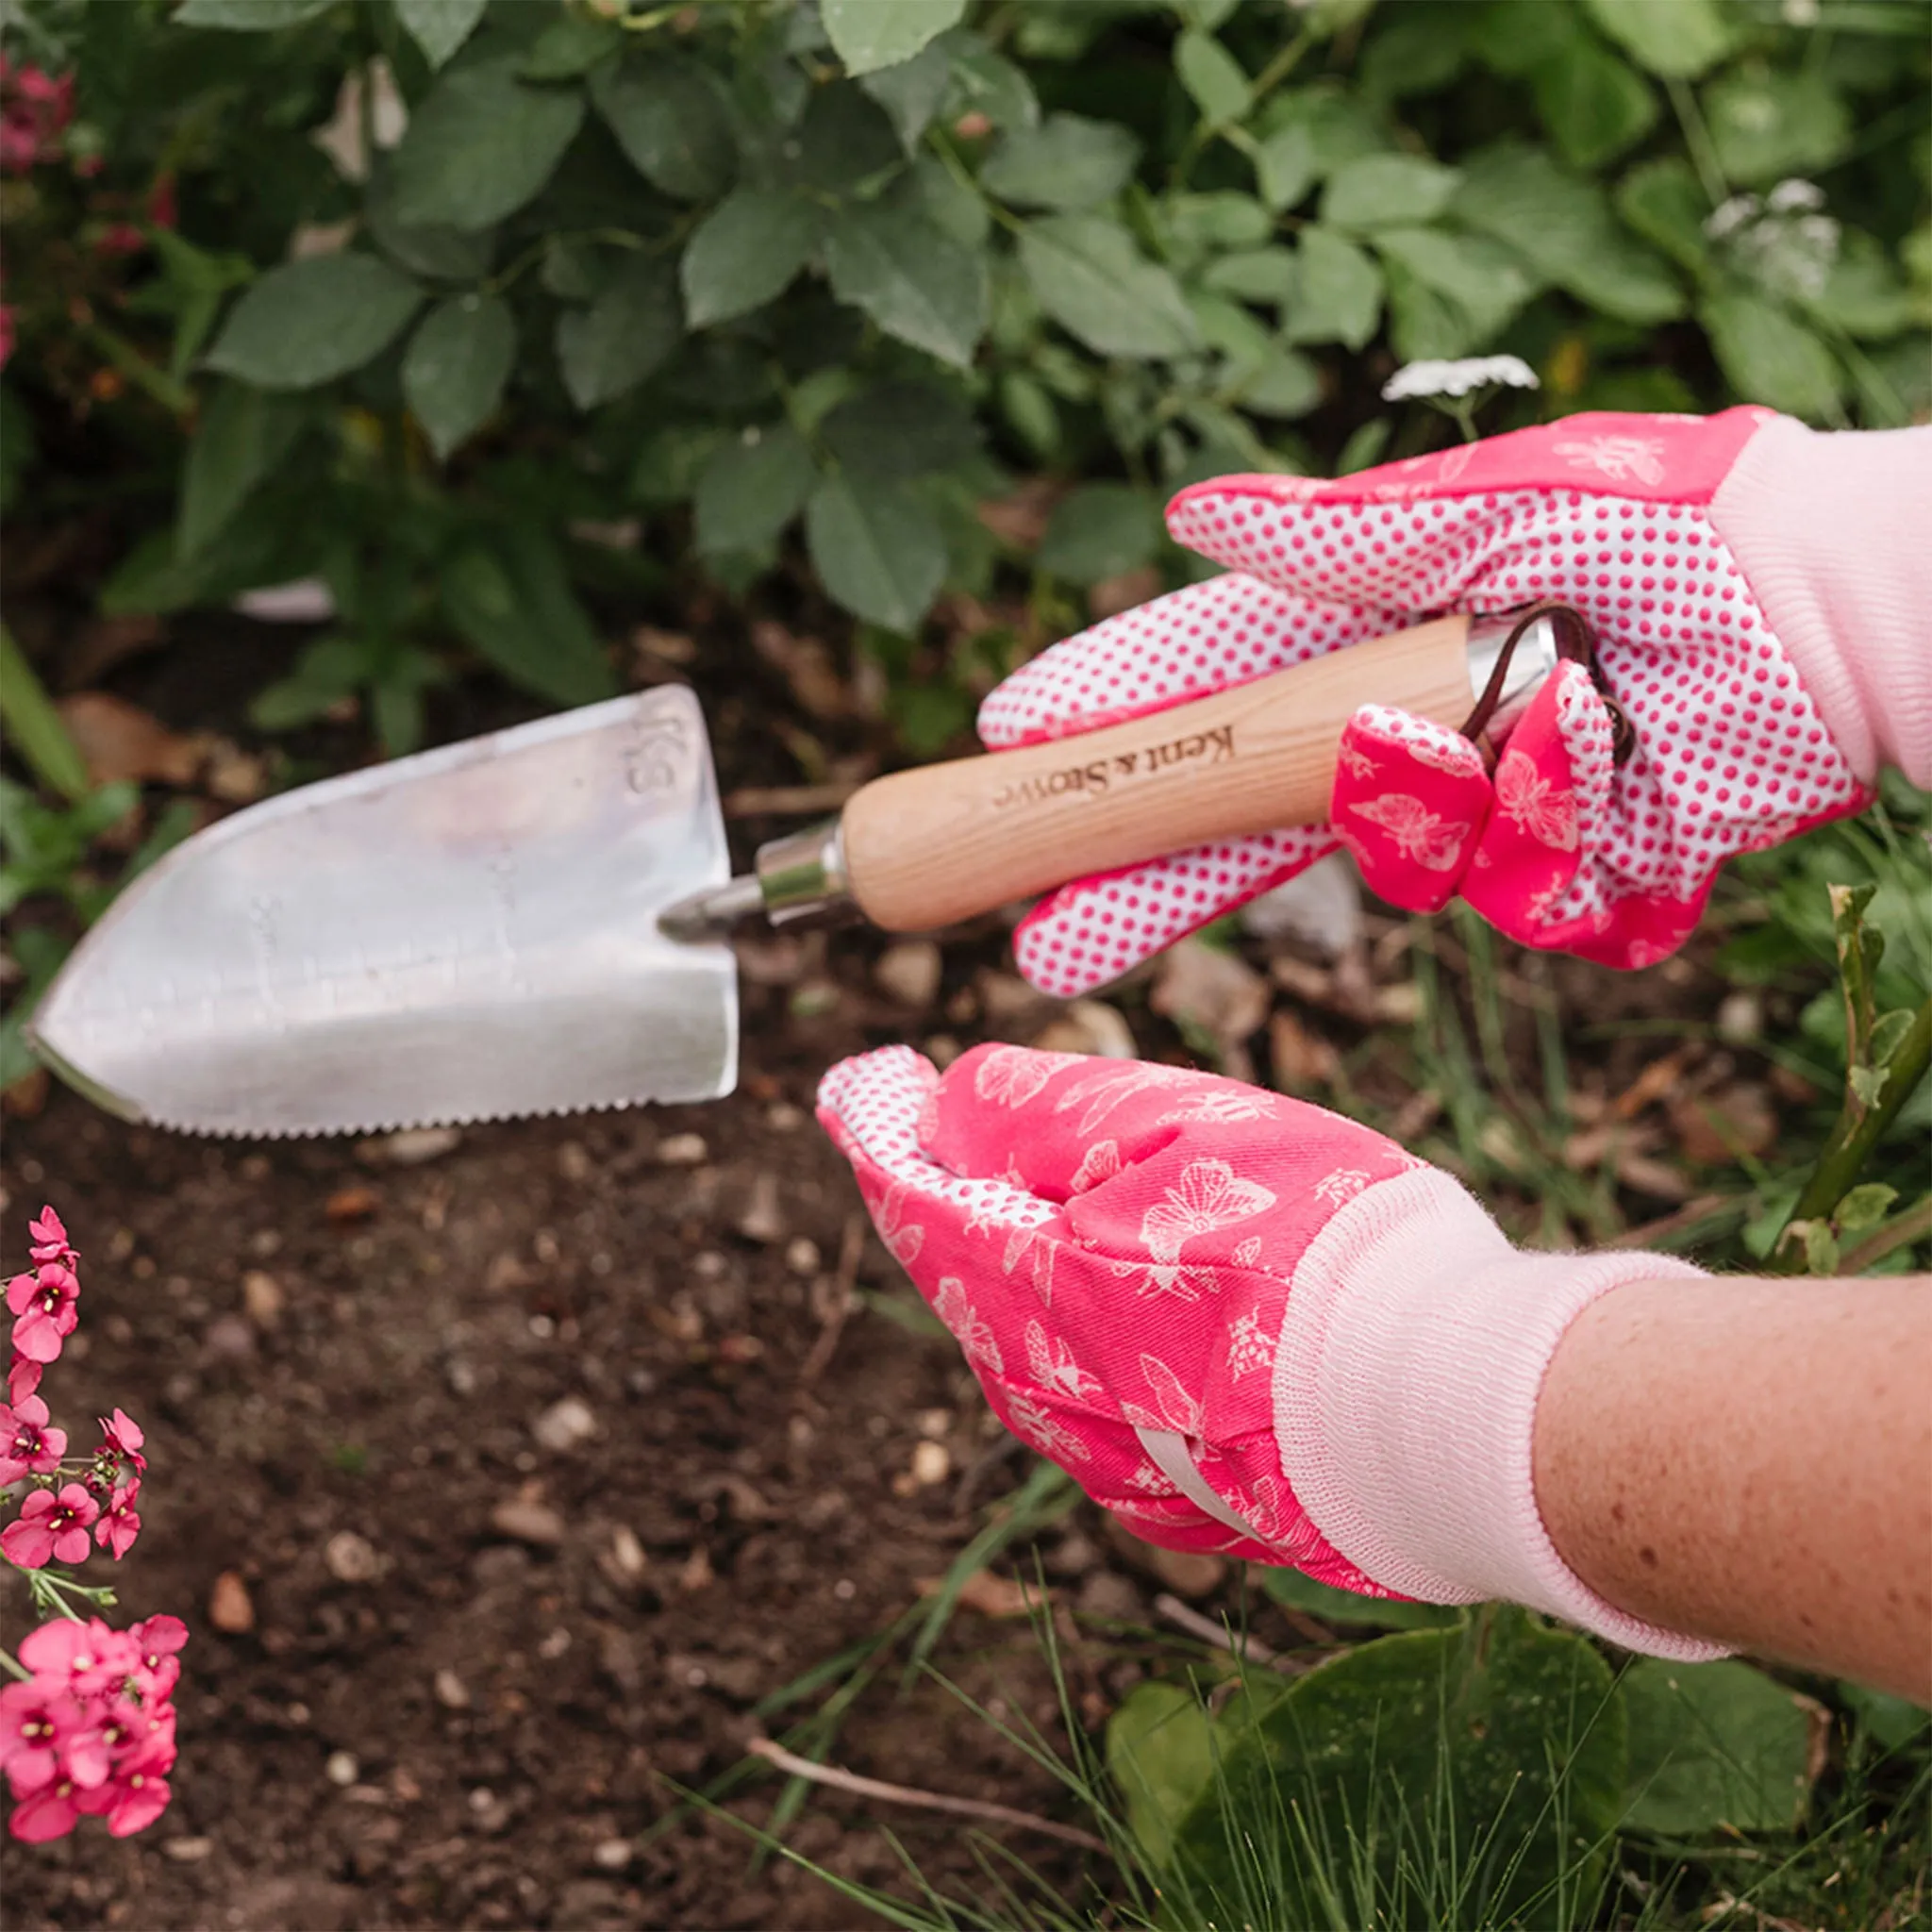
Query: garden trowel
point(535, 922)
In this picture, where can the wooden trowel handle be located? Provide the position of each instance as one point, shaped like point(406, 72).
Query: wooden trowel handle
point(928, 847)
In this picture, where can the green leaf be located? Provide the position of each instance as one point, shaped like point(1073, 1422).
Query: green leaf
point(330, 669)
point(914, 91)
point(1564, 229)
point(1212, 76)
point(1713, 1747)
point(439, 26)
point(1161, 1756)
point(242, 436)
point(571, 46)
point(899, 429)
point(1891, 1719)
point(1508, 1727)
point(444, 254)
point(1594, 105)
point(1347, 1608)
point(1888, 1034)
point(1478, 277)
point(989, 84)
point(1101, 531)
point(671, 460)
point(1766, 124)
point(1363, 448)
point(1664, 203)
point(1340, 128)
point(1863, 293)
point(876, 548)
point(507, 594)
point(1865, 1205)
point(667, 116)
point(1199, 226)
point(844, 142)
point(35, 729)
point(1340, 297)
point(308, 322)
point(1285, 165)
point(632, 326)
point(249, 16)
point(1256, 275)
point(870, 34)
point(1378, 189)
point(1066, 163)
point(910, 277)
point(1768, 357)
point(1088, 274)
point(745, 253)
point(1677, 38)
point(753, 486)
point(480, 146)
point(455, 366)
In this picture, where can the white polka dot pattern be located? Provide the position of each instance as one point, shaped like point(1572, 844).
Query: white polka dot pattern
point(1610, 516)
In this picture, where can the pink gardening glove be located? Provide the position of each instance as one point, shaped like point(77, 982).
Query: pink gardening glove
point(1242, 1323)
point(1561, 847)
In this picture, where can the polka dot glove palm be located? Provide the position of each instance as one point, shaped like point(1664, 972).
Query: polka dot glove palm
point(1561, 846)
point(1242, 1323)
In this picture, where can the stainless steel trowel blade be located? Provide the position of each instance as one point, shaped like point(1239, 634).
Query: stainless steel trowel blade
point(464, 935)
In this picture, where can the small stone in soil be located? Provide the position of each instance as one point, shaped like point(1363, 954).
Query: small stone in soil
point(930, 1465)
point(409, 1146)
point(1187, 1573)
point(1108, 1595)
point(229, 1607)
point(627, 1553)
point(261, 1298)
point(934, 1423)
point(341, 1768)
point(910, 972)
point(351, 1203)
point(188, 1851)
point(565, 1425)
point(942, 1049)
point(783, 1118)
point(682, 1150)
point(451, 1692)
point(695, 1573)
point(1088, 1026)
point(525, 1522)
point(351, 1559)
point(762, 1220)
point(229, 1338)
point(574, 1161)
point(613, 1855)
point(802, 1254)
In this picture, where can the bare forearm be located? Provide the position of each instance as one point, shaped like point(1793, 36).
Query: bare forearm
point(1751, 1460)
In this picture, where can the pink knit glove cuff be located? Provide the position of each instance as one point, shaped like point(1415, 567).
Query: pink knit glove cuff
point(1405, 1382)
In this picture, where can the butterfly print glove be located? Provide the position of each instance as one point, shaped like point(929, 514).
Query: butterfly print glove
point(1242, 1323)
point(1624, 517)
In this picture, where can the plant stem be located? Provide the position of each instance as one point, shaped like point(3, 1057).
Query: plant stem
point(1914, 1225)
point(36, 728)
point(10, 1662)
point(1853, 1138)
point(1697, 138)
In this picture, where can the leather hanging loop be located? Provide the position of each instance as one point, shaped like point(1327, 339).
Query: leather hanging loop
point(1576, 644)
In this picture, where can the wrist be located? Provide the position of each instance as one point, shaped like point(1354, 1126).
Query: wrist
point(1407, 1379)
point(1827, 528)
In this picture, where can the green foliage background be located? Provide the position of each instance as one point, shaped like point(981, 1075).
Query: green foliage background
point(756, 272)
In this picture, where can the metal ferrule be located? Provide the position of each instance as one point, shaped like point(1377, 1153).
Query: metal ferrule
point(798, 881)
point(1536, 657)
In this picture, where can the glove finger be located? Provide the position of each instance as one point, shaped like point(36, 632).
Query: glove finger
point(1531, 874)
point(1096, 928)
point(875, 1107)
point(1176, 647)
point(1410, 801)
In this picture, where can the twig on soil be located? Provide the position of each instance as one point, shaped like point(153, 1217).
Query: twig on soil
point(1252, 1649)
point(925, 1801)
point(784, 801)
point(1688, 1215)
point(844, 1278)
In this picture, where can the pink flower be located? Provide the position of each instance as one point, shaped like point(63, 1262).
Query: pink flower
point(122, 1437)
point(52, 1524)
point(90, 1660)
point(162, 209)
point(23, 1377)
point(119, 238)
point(119, 1526)
point(49, 1813)
point(27, 1445)
point(6, 337)
point(34, 107)
point(49, 1237)
point(44, 1303)
point(157, 1668)
point(134, 1794)
point(36, 1720)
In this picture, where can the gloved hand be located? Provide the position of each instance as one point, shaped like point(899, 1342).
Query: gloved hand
point(1242, 1323)
point(1562, 847)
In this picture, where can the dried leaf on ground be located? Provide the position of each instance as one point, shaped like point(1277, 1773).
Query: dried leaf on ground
point(122, 742)
point(1302, 1060)
point(989, 1594)
point(1090, 1026)
point(1737, 1122)
point(1218, 993)
point(230, 1608)
point(1022, 518)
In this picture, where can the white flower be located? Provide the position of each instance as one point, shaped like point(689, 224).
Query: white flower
point(1425, 379)
point(1786, 240)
